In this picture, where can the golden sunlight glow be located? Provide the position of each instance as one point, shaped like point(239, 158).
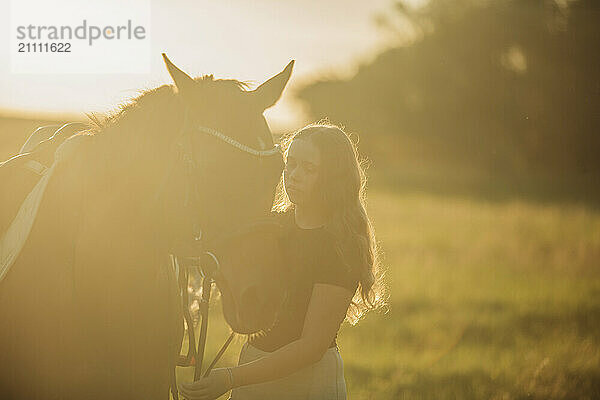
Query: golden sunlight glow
point(235, 39)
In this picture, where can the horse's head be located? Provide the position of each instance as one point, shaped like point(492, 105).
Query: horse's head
point(234, 186)
point(233, 168)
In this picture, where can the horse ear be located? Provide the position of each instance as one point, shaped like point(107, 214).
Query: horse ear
point(182, 80)
point(268, 93)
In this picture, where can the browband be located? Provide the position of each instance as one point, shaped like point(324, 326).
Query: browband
point(258, 153)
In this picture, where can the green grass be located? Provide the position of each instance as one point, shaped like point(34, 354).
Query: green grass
point(488, 300)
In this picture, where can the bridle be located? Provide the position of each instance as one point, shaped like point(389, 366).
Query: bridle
point(258, 153)
point(182, 265)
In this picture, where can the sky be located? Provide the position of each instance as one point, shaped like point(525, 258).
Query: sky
point(246, 40)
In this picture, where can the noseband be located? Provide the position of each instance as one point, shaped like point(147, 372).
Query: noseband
point(183, 264)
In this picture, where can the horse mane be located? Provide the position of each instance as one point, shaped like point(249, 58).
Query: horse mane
point(152, 101)
point(145, 126)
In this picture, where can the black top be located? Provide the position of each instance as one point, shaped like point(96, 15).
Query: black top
point(312, 258)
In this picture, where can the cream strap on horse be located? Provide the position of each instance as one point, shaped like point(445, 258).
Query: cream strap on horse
point(16, 235)
point(258, 153)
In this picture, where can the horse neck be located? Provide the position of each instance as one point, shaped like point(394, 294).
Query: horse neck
point(122, 184)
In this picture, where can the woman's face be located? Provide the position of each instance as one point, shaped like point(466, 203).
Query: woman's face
point(301, 172)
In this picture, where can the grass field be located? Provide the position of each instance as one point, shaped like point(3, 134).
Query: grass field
point(488, 300)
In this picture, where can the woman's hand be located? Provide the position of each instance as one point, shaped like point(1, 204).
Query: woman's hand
point(209, 388)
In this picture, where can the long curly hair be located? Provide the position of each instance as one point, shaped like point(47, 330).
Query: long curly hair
point(342, 184)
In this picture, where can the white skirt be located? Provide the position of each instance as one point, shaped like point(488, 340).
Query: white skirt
point(323, 380)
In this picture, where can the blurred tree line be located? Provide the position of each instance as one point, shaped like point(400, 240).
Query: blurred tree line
point(507, 88)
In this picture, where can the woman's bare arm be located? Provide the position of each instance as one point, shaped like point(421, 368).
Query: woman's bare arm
point(327, 308)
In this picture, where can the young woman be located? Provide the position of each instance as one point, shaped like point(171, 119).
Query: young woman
point(332, 256)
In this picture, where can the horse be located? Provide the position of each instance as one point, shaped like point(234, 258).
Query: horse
point(89, 307)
